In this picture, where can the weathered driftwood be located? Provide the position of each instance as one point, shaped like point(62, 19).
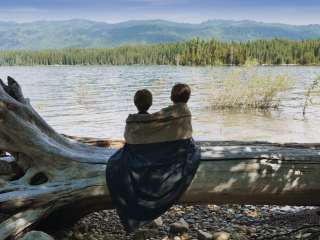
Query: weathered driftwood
point(52, 177)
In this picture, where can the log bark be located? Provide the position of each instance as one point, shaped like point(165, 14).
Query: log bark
point(50, 173)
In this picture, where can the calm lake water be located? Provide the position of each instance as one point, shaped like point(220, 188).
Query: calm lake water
point(95, 100)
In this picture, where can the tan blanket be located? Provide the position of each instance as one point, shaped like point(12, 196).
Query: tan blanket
point(169, 124)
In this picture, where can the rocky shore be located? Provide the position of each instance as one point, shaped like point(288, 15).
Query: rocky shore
point(204, 222)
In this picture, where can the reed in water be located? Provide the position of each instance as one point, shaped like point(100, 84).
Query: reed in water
point(246, 88)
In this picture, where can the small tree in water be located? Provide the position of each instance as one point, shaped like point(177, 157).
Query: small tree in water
point(312, 91)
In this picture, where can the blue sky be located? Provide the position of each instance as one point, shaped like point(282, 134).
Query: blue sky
point(284, 11)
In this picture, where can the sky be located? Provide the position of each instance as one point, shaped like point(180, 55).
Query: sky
point(298, 12)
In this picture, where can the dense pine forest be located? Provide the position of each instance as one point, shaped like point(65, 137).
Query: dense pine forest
point(193, 52)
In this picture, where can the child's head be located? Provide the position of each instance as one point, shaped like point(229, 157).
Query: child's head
point(143, 100)
point(180, 93)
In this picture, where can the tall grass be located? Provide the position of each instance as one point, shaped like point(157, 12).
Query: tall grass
point(246, 88)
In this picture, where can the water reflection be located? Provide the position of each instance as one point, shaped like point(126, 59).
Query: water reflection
point(95, 100)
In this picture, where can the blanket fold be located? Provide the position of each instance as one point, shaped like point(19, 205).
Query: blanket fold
point(146, 177)
point(170, 124)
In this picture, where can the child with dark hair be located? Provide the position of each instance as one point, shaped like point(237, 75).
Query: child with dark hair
point(143, 100)
point(180, 93)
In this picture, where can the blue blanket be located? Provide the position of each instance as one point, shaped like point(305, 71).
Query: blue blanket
point(145, 180)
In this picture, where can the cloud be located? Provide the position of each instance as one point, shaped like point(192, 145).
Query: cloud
point(19, 10)
point(175, 10)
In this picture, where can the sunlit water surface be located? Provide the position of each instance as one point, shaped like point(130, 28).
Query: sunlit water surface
point(95, 101)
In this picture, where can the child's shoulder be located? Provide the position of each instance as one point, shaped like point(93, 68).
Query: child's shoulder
point(137, 117)
point(180, 107)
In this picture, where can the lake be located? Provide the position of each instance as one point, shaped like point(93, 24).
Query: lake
point(95, 100)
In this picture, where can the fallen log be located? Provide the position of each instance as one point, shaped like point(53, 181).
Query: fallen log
point(54, 177)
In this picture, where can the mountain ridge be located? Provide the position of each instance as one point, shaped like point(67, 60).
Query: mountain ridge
point(82, 33)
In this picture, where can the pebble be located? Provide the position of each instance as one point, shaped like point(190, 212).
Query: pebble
point(239, 222)
point(157, 223)
point(179, 227)
point(202, 235)
point(221, 236)
point(238, 236)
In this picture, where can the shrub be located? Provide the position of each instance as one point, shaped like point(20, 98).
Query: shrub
point(248, 89)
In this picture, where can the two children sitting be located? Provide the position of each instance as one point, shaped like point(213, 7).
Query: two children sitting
point(180, 93)
point(158, 161)
point(169, 124)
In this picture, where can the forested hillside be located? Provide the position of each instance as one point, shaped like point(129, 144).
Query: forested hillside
point(89, 34)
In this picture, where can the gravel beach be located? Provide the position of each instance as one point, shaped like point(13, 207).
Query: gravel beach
point(219, 222)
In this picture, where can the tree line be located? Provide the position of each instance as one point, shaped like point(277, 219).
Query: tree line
point(192, 52)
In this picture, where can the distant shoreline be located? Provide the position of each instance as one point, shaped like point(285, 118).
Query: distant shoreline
point(194, 52)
